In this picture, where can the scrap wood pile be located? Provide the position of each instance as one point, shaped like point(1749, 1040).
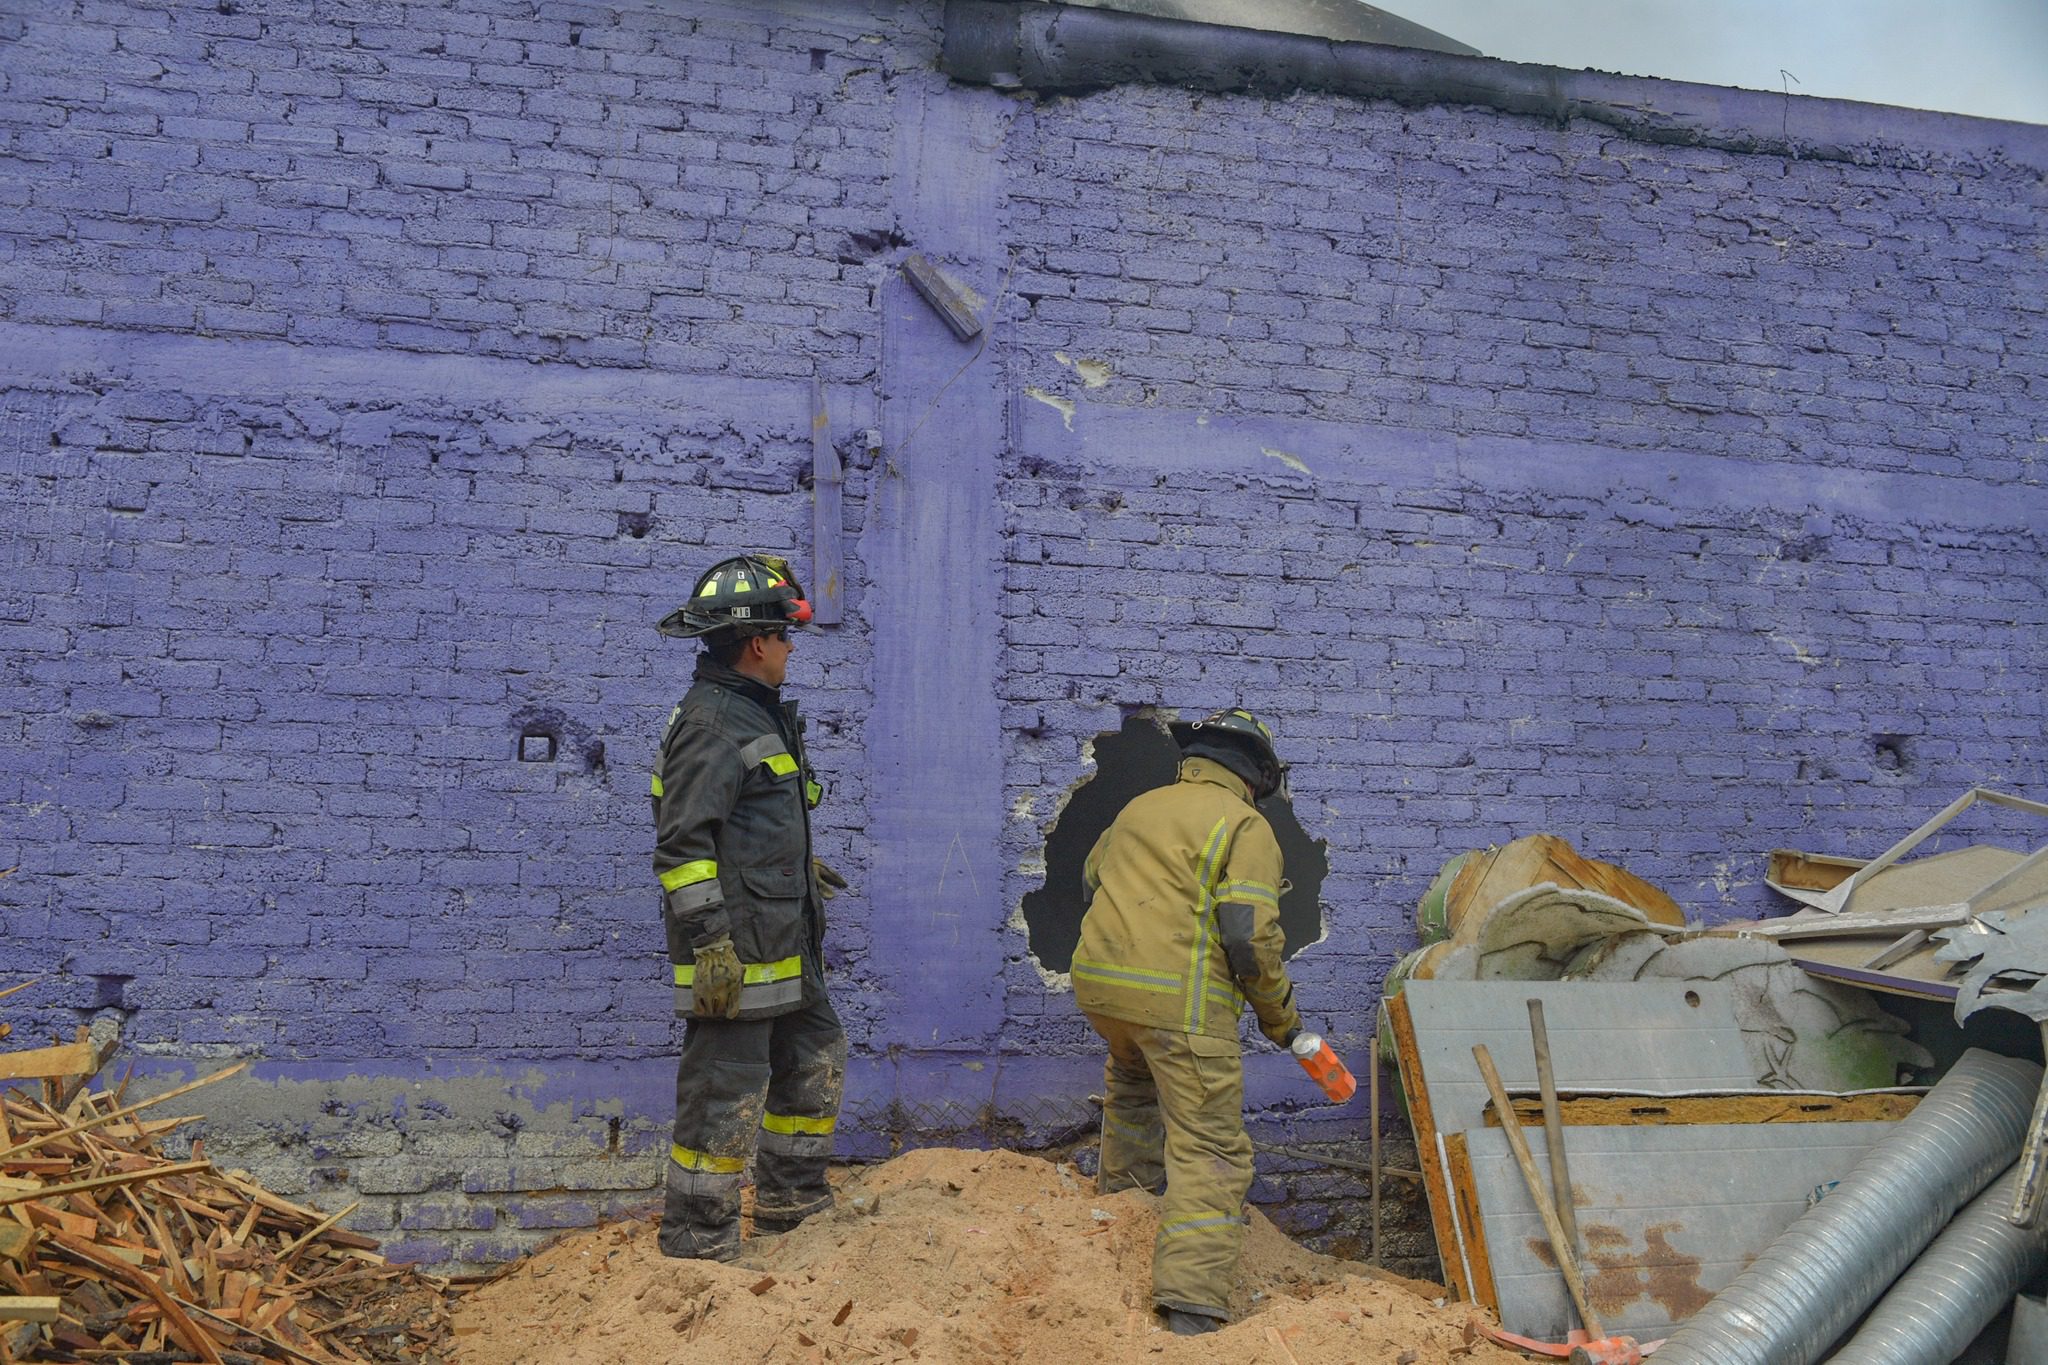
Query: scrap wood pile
point(109, 1250)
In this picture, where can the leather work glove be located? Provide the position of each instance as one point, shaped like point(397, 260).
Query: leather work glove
point(830, 883)
point(715, 989)
point(1280, 1022)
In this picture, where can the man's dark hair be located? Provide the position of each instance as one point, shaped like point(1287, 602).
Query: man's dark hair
point(725, 648)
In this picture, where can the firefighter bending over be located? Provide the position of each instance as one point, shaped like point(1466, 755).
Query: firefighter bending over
point(1183, 928)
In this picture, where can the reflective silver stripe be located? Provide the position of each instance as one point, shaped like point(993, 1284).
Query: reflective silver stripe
point(763, 749)
point(1182, 1226)
point(796, 1144)
point(765, 995)
point(695, 896)
point(768, 994)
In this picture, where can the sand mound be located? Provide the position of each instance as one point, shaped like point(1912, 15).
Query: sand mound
point(954, 1258)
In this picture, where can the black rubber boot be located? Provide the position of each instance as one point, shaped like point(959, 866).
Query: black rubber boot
point(1189, 1324)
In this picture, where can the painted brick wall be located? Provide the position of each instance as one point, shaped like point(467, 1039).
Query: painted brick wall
point(375, 375)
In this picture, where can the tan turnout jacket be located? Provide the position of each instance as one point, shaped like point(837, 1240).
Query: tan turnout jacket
point(1150, 950)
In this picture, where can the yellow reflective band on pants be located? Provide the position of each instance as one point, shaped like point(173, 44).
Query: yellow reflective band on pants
point(704, 1161)
point(1181, 1227)
point(763, 985)
point(797, 1123)
point(1173, 1110)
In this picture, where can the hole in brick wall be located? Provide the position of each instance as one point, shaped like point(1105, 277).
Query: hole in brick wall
point(575, 36)
point(1891, 754)
point(862, 247)
point(635, 524)
point(536, 746)
point(818, 59)
point(1135, 759)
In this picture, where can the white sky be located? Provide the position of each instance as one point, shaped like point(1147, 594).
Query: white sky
point(1984, 57)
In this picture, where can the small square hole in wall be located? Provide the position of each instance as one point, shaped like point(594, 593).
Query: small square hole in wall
point(536, 748)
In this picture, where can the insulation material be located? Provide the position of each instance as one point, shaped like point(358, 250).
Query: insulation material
point(1534, 934)
point(1490, 876)
point(1804, 1034)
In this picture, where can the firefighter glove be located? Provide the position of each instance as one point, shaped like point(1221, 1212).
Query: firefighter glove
point(715, 988)
point(1279, 1022)
point(830, 883)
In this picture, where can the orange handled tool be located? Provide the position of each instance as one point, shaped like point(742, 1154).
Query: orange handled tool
point(1324, 1066)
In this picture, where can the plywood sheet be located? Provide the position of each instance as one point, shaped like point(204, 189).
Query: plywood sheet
point(1669, 1214)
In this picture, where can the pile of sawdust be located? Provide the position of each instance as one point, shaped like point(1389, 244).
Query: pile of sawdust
point(953, 1258)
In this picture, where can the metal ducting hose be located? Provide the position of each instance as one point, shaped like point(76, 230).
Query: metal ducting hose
point(1802, 1293)
point(1954, 1290)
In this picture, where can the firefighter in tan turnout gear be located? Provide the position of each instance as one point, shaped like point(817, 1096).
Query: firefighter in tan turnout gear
point(1183, 928)
point(764, 1057)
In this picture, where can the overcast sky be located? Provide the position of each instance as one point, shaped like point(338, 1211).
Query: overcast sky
point(1984, 57)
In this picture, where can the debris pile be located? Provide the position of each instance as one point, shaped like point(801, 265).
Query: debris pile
point(954, 1258)
point(111, 1250)
point(1721, 1110)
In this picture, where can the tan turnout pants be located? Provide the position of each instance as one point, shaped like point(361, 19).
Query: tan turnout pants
point(1173, 1109)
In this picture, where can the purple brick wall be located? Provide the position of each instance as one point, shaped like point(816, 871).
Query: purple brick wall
point(373, 378)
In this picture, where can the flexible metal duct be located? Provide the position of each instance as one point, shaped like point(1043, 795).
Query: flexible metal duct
point(1954, 1290)
point(1823, 1271)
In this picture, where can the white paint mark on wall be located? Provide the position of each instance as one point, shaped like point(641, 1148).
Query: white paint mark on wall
point(1062, 406)
point(1798, 650)
point(1094, 373)
point(1284, 458)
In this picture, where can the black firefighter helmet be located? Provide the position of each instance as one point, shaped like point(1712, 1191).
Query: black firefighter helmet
point(747, 594)
point(1239, 741)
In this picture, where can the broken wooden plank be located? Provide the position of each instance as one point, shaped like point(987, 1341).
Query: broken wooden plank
point(1899, 947)
point(185, 1089)
point(48, 1063)
point(104, 1181)
point(951, 300)
point(1848, 923)
point(285, 1257)
point(1615, 1111)
point(30, 1307)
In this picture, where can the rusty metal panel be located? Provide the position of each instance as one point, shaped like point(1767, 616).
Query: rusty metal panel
point(1669, 1214)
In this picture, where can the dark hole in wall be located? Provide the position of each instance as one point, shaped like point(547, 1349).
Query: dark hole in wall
point(1129, 761)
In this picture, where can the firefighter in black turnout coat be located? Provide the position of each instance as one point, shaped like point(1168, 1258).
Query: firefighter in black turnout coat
point(764, 1057)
